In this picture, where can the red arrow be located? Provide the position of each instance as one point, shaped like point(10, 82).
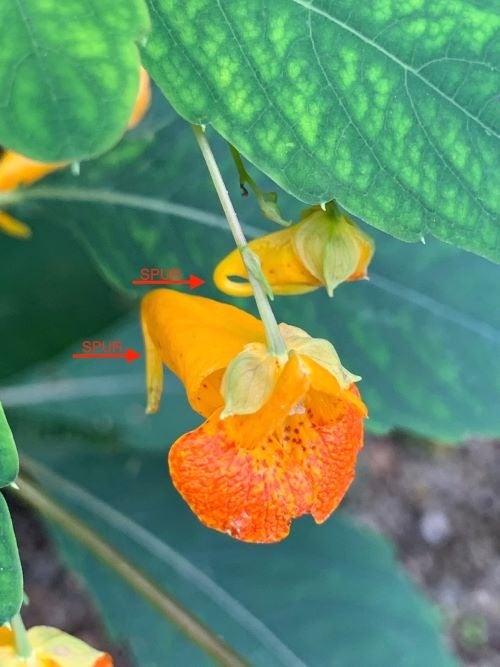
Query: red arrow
point(129, 355)
point(193, 281)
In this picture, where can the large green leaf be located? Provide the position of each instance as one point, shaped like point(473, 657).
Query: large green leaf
point(50, 296)
point(9, 460)
point(424, 332)
point(329, 595)
point(391, 108)
point(69, 75)
point(11, 575)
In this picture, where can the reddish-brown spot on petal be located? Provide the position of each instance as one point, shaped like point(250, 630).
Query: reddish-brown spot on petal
point(253, 492)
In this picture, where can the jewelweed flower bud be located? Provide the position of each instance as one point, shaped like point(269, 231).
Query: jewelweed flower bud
point(13, 227)
point(332, 247)
point(325, 248)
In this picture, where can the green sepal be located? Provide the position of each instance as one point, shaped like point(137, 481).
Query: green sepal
point(249, 380)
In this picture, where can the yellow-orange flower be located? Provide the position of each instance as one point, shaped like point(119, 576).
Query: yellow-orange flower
point(143, 100)
point(324, 248)
point(14, 227)
point(50, 648)
point(248, 471)
point(16, 170)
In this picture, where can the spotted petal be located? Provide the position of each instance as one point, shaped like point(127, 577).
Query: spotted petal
point(252, 488)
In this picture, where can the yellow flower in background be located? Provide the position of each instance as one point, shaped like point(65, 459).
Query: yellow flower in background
point(325, 248)
point(16, 170)
point(142, 101)
point(50, 648)
point(14, 227)
point(281, 435)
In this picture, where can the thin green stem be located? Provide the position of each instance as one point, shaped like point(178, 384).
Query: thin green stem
point(23, 646)
point(168, 606)
point(116, 198)
point(275, 340)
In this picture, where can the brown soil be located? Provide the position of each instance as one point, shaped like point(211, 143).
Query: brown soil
point(441, 507)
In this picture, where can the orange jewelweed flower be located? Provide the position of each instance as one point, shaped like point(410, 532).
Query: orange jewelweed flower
point(14, 227)
point(325, 248)
point(16, 170)
point(143, 100)
point(281, 435)
point(50, 648)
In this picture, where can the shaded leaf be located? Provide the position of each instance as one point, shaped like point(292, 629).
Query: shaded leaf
point(9, 461)
point(50, 296)
point(11, 576)
point(327, 595)
point(391, 108)
point(70, 74)
point(422, 333)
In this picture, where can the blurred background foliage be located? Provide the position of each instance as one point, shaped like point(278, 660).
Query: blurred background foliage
point(400, 126)
point(422, 332)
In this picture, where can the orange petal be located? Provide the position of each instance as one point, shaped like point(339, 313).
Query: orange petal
point(104, 661)
point(143, 100)
point(51, 648)
point(338, 422)
point(17, 170)
point(253, 492)
point(367, 248)
point(196, 338)
point(14, 227)
point(280, 265)
point(288, 396)
point(55, 648)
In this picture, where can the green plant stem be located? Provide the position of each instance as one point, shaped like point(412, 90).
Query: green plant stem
point(23, 646)
point(275, 340)
point(169, 607)
point(110, 198)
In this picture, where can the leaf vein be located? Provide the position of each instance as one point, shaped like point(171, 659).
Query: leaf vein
point(309, 5)
point(445, 162)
